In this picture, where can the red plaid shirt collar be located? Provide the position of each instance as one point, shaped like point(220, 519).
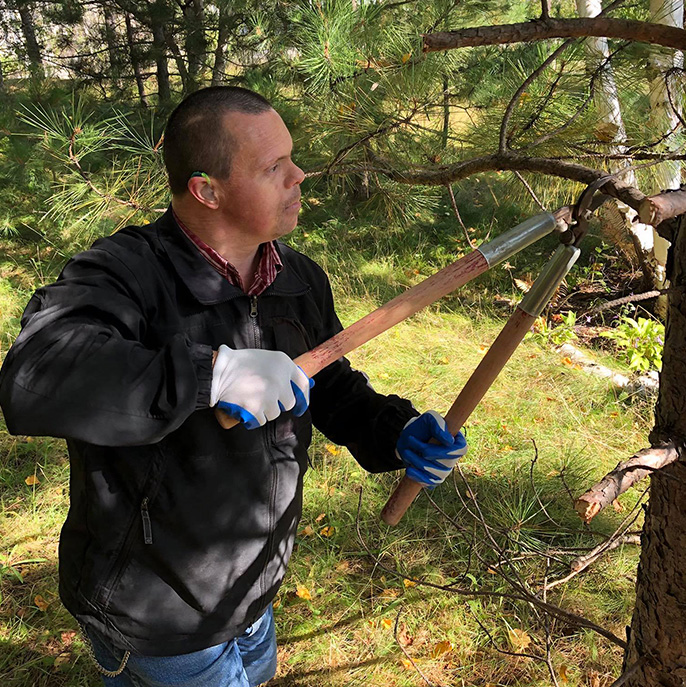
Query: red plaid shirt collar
point(270, 263)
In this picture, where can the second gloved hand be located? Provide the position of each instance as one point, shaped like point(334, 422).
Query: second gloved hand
point(429, 463)
point(255, 386)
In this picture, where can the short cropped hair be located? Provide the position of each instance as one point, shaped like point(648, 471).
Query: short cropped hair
point(196, 138)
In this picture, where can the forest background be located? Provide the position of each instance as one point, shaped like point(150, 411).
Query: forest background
point(412, 159)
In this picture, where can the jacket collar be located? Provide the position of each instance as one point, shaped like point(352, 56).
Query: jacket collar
point(203, 281)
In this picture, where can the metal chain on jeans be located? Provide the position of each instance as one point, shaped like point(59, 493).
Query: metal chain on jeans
point(103, 671)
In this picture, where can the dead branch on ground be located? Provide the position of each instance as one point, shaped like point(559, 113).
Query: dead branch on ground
point(623, 477)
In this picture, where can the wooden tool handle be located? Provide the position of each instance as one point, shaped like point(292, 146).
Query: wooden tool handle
point(473, 391)
point(400, 308)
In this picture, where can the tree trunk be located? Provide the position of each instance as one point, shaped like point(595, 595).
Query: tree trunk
point(220, 51)
point(135, 60)
point(657, 653)
point(664, 119)
point(160, 52)
point(28, 28)
point(620, 220)
point(196, 42)
point(111, 40)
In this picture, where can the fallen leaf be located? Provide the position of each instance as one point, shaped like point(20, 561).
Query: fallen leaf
point(407, 663)
point(619, 508)
point(276, 603)
point(519, 639)
point(307, 531)
point(67, 637)
point(327, 531)
point(374, 86)
point(403, 636)
point(389, 593)
point(441, 648)
point(522, 285)
point(343, 566)
point(32, 480)
point(483, 347)
point(320, 517)
point(406, 57)
point(40, 603)
point(333, 450)
point(563, 673)
point(303, 592)
point(409, 583)
point(62, 660)
point(508, 448)
point(567, 361)
point(387, 623)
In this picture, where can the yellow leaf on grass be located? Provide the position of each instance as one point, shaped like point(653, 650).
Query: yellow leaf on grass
point(390, 593)
point(307, 531)
point(320, 517)
point(441, 648)
point(32, 480)
point(333, 450)
point(563, 674)
point(40, 603)
point(406, 57)
point(387, 623)
point(567, 361)
point(519, 639)
point(327, 531)
point(407, 663)
point(303, 592)
point(62, 660)
point(276, 603)
point(409, 583)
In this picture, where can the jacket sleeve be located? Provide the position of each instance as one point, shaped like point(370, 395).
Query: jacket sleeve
point(347, 410)
point(79, 369)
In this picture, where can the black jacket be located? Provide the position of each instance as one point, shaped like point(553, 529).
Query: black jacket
point(178, 532)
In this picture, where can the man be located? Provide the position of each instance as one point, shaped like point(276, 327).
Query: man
point(179, 532)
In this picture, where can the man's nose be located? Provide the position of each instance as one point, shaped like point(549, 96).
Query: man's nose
point(297, 175)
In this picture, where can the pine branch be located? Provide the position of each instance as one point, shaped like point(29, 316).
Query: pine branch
point(545, 29)
point(623, 477)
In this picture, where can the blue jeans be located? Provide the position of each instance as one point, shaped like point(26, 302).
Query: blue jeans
point(247, 661)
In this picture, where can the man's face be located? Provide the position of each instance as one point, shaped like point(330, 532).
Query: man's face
point(261, 197)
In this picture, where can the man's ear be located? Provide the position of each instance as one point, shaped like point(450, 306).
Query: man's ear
point(200, 187)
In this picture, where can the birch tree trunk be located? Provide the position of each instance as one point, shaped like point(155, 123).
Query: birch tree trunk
point(611, 130)
point(657, 652)
point(664, 100)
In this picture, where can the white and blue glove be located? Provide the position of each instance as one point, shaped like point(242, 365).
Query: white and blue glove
point(429, 463)
point(255, 386)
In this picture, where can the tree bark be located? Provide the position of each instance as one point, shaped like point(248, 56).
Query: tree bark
point(220, 51)
point(160, 52)
point(664, 119)
point(135, 60)
point(28, 28)
point(656, 650)
point(196, 41)
point(625, 29)
point(111, 40)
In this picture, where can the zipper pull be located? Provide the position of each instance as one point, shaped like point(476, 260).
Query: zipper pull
point(147, 525)
point(253, 306)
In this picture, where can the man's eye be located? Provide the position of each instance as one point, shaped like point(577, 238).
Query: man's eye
point(274, 168)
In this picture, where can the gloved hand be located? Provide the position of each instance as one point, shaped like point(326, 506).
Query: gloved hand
point(429, 464)
point(255, 386)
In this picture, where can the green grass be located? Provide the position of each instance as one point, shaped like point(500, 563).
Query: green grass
point(344, 634)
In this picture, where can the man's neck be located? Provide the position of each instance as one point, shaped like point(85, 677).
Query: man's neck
point(243, 255)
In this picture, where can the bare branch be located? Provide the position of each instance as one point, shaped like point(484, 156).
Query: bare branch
point(664, 206)
point(623, 477)
point(601, 27)
point(525, 183)
point(459, 217)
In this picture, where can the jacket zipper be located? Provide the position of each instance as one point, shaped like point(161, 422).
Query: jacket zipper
point(147, 524)
point(269, 439)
